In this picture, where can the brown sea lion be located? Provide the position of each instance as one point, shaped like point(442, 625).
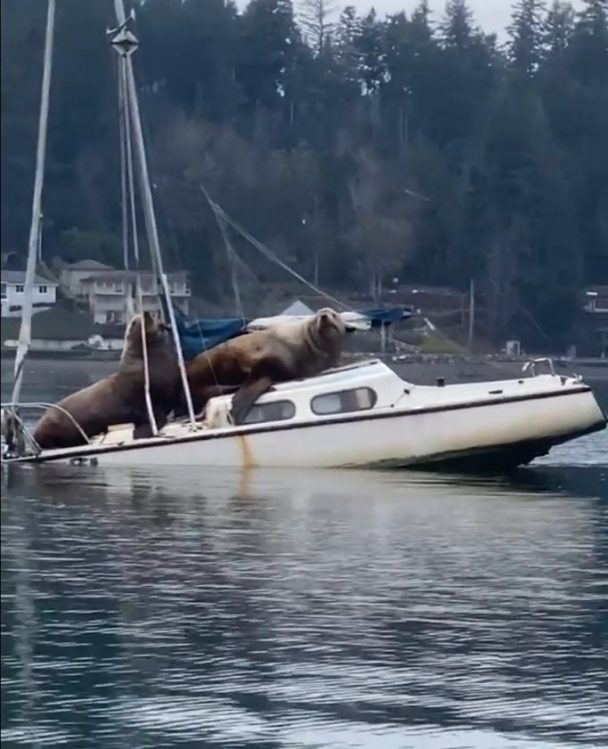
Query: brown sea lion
point(252, 362)
point(120, 397)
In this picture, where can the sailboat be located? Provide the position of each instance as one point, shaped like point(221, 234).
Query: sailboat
point(360, 415)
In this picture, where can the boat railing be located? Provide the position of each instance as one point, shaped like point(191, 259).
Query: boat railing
point(15, 432)
point(531, 365)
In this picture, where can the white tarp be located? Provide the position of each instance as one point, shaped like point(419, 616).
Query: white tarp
point(353, 320)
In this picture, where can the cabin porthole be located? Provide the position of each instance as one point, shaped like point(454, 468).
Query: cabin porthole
point(344, 401)
point(275, 411)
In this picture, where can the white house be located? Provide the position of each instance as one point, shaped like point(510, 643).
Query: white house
point(71, 275)
point(106, 290)
point(44, 293)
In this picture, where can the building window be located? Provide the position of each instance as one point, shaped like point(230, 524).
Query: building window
point(43, 289)
point(344, 401)
point(277, 411)
point(3, 291)
point(19, 289)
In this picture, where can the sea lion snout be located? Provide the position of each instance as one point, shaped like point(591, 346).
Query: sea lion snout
point(330, 323)
point(154, 329)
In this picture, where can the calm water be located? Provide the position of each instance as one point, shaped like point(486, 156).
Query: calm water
point(304, 609)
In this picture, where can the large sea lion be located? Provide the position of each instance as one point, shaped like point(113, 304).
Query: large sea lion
point(120, 397)
point(252, 362)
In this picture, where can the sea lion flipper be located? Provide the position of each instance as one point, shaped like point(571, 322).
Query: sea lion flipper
point(246, 396)
point(143, 429)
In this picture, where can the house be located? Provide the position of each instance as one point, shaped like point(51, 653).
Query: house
point(106, 290)
point(44, 293)
point(71, 274)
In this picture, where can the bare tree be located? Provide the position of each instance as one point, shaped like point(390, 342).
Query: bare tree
point(315, 19)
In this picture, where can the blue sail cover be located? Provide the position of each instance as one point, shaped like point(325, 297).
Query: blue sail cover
point(201, 335)
point(385, 315)
point(197, 336)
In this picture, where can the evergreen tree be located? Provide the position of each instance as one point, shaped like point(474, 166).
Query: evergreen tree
point(526, 36)
point(369, 42)
point(533, 269)
point(589, 68)
point(268, 42)
point(378, 146)
point(558, 28)
point(467, 72)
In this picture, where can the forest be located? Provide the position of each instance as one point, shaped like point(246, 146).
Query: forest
point(359, 148)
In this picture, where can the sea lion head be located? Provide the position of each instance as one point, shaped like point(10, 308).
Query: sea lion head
point(155, 333)
point(329, 328)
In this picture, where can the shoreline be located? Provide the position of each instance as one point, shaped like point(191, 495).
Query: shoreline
point(423, 369)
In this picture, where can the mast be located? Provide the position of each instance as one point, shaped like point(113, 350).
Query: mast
point(126, 43)
point(25, 332)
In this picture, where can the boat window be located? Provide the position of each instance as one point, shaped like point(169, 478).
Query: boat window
point(276, 411)
point(344, 401)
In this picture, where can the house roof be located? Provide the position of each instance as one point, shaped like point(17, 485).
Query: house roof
point(87, 265)
point(128, 275)
point(18, 277)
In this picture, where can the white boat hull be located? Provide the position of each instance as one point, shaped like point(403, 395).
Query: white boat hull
point(482, 426)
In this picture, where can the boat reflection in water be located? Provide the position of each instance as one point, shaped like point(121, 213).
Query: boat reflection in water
point(284, 608)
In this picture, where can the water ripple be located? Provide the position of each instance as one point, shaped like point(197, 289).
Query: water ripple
point(287, 609)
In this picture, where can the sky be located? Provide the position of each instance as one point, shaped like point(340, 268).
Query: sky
point(491, 15)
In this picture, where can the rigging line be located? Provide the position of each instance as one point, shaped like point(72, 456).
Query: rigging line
point(149, 215)
point(179, 259)
point(245, 268)
point(122, 121)
point(232, 260)
point(270, 255)
point(231, 255)
point(201, 335)
point(25, 332)
point(138, 290)
point(126, 179)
